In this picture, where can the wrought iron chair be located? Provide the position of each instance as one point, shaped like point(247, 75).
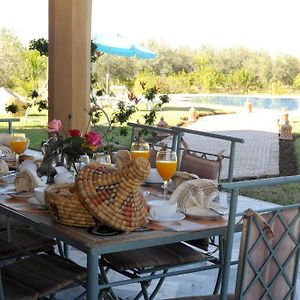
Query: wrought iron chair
point(30, 269)
point(146, 264)
point(269, 256)
point(157, 262)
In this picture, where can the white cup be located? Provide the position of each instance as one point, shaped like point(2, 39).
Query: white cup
point(160, 209)
point(39, 194)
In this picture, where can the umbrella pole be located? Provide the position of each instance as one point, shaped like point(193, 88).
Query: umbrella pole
point(107, 79)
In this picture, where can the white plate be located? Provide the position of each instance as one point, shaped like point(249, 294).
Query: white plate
point(202, 213)
point(176, 217)
point(35, 202)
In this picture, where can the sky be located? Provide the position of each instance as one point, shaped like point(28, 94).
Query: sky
point(272, 25)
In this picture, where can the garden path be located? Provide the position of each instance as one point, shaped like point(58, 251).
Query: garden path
point(258, 156)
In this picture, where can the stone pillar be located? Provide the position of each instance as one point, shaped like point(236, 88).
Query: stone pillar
point(249, 107)
point(192, 114)
point(69, 61)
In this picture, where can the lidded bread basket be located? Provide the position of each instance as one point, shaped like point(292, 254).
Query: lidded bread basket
point(112, 196)
point(64, 206)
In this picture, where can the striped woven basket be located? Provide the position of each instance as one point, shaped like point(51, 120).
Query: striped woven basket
point(113, 196)
point(65, 207)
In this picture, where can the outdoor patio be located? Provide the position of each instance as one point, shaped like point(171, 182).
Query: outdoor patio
point(202, 283)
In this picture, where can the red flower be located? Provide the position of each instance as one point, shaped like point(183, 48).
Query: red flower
point(74, 132)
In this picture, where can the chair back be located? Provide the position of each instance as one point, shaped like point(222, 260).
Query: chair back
point(200, 165)
point(269, 254)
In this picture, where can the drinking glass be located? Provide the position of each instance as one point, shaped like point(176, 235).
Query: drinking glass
point(102, 158)
point(166, 164)
point(18, 144)
point(140, 149)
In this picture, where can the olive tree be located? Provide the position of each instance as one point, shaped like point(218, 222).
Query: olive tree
point(11, 58)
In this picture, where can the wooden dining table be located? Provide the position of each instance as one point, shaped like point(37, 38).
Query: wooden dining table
point(17, 207)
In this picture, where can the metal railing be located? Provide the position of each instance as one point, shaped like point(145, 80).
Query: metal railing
point(9, 121)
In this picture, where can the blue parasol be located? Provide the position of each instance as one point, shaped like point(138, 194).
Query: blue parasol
point(118, 45)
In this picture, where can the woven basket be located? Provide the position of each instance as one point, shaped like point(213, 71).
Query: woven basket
point(113, 196)
point(65, 207)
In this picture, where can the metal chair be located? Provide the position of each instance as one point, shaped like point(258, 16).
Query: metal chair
point(158, 261)
point(146, 264)
point(19, 241)
point(269, 256)
point(30, 269)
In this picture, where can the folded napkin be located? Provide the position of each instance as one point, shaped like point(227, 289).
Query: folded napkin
point(27, 181)
point(3, 167)
point(195, 193)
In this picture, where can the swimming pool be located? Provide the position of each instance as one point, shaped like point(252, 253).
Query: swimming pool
point(261, 101)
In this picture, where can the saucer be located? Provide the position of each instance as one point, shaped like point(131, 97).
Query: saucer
point(35, 202)
point(176, 217)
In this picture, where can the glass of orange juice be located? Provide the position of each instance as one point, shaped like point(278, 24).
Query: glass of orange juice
point(140, 149)
point(166, 165)
point(18, 144)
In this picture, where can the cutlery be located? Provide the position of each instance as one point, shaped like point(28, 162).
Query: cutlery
point(147, 193)
point(219, 212)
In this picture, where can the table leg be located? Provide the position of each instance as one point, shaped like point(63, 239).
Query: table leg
point(228, 245)
point(92, 286)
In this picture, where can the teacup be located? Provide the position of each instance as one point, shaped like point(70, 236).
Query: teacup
point(39, 194)
point(160, 209)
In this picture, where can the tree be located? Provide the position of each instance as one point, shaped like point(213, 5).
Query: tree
point(208, 78)
point(169, 61)
point(40, 45)
point(241, 80)
point(11, 58)
point(286, 68)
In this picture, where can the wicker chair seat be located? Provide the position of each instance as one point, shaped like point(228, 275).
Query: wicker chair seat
point(159, 256)
point(39, 276)
point(23, 240)
point(208, 297)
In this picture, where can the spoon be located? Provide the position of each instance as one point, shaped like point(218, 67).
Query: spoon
point(147, 193)
point(219, 212)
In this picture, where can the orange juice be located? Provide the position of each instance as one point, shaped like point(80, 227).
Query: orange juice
point(18, 146)
point(166, 169)
point(140, 153)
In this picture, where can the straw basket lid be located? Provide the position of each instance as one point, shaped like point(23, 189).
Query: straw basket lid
point(113, 196)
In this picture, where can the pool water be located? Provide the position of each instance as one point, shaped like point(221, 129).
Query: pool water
point(265, 102)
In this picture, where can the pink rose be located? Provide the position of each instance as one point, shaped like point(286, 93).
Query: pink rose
point(93, 138)
point(54, 125)
point(74, 132)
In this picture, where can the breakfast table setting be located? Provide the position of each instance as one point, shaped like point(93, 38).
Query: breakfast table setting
point(111, 207)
